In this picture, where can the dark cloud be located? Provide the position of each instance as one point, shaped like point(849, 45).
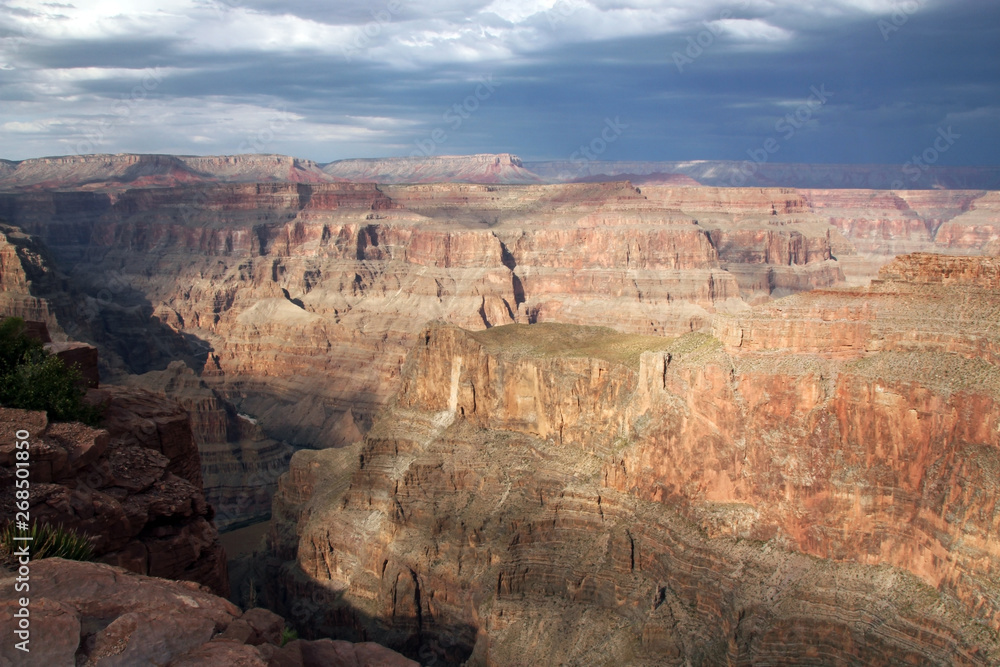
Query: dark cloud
point(558, 78)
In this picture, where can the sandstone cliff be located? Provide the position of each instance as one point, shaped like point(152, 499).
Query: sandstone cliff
point(225, 277)
point(92, 172)
point(295, 303)
point(134, 486)
point(239, 464)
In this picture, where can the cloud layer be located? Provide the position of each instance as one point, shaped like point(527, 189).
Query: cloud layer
point(691, 79)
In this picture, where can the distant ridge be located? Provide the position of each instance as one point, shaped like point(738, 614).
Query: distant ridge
point(482, 168)
point(126, 170)
point(726, 173)
point(151, 170)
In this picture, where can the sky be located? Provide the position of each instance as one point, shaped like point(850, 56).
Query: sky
point(815, 81)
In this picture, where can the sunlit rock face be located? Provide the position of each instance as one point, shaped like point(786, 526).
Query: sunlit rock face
point(296, 303)
point(294, 297)
point(571, 493)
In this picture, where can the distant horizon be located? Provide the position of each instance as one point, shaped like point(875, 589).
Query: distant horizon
point(467, 155)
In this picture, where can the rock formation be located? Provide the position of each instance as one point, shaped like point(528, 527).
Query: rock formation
point(232, 273)
point(94, 172)
point(566, 494)
point(133, 486)
point(294, 303)
point(102, 616)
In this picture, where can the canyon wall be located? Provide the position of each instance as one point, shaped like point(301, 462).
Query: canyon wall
point(295, 303)
point(557, 493)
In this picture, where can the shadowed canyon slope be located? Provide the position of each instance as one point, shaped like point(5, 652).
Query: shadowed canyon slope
point(559, 494)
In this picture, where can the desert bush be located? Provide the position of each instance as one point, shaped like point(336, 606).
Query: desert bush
point(47, 542)
point(33, 379)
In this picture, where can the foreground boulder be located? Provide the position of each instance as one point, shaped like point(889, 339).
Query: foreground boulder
point(102, 616)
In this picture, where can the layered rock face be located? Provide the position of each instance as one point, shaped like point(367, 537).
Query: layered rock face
point(240, 464)
point(563, 494)
point(282, 287)
point(134, 486)
point(295, 303)
point(99, 615)
point(93, 172)
point(23, 263)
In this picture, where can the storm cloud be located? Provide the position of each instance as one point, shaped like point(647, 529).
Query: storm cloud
point(686, 79)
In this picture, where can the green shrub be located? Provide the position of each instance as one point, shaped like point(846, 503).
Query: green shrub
point(288, 635)
point(33, 379)
point(48, 542)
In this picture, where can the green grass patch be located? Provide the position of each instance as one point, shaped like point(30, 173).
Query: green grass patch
point(46, 541)
point(549, 339)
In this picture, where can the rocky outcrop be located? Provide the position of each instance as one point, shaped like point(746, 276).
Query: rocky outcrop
point(134, 486)
point(341, 269)
point(552, 494)
point(23, 263)
point(295, 303)
point(98, 615)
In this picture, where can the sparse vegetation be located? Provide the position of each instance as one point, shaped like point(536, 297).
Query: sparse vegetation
point(568, 340)
point(33, 379)
point(46, 541)
point(288, 635)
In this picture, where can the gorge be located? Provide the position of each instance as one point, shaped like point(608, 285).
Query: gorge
point(584, 422)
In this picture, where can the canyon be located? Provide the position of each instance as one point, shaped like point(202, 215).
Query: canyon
point(640, 422)
point(815, 484)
